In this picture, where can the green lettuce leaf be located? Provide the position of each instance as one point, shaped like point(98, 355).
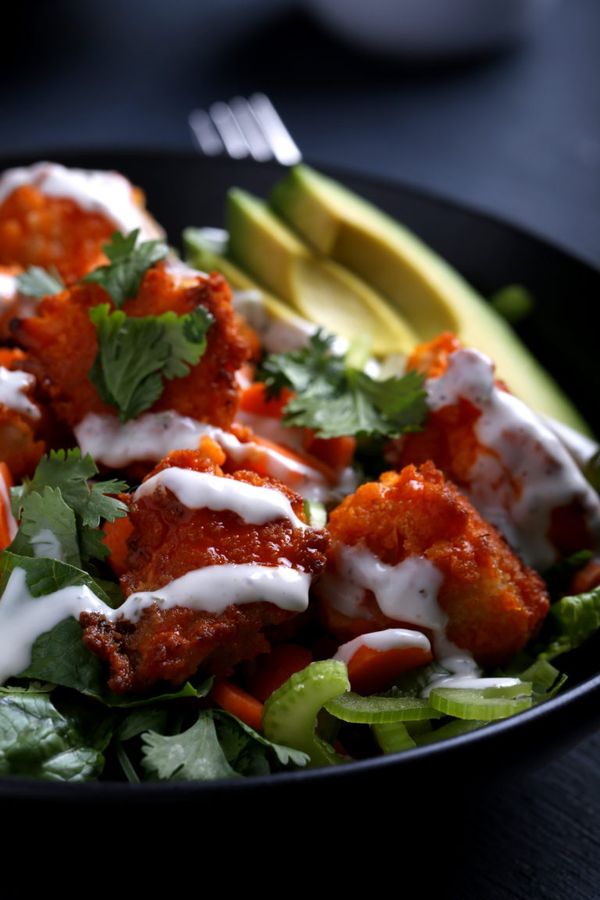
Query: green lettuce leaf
point(37, 741)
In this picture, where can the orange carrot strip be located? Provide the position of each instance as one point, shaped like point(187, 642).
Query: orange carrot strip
point(335, 452)
point(586, 579)
point(116, 535)
point(372, 670)
point(254, 400)
point(275, 669)
point(237, 701)
point(303, 458)
point(5, 513)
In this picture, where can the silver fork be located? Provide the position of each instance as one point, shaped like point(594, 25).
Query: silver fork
point(244, 127)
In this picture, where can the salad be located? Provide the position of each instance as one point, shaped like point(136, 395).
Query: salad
point(299, 499)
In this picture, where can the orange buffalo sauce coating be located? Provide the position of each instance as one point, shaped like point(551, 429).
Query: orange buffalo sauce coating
point(36, 230)
point(20, 445)
point(62, 346)
point(166, 541)
point(494, 603)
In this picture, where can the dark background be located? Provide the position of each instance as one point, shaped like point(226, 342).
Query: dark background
point(516, 134)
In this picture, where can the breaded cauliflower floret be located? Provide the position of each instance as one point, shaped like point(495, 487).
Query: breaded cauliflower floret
point(60, 218)
point(62, 345)
point(506, 458)
point(20, 417)
point(493, 602)
point(167, 541)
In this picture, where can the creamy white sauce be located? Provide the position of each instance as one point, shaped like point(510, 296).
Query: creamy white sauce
point(24, 618)
point(529, 474)
point(580, 446)
point(8, 286)
point(407, 592)
point(45, 543)
point(388, 639)
point(5, 503)
point(106, 193)
point(12, 392)
point(181, 271)
point(202, 490)
point(153, 435)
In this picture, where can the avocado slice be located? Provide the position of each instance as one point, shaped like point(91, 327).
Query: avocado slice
point(423, 287)
point(290, 328)
point(318, 289)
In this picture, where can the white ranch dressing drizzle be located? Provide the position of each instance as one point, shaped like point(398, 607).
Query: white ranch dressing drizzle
point(181, 271)
point(24, 618)
point(525, 452)
point(12, 392)
point(388, 639)
point(8, 286)
point(45, 543)
point(203, 490)
point(106, 193)
point(153, 435)
point(406, 592)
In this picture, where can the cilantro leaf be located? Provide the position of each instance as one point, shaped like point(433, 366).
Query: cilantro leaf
point(60, 511)
point(38, 741)
point(135, 354)
point(336, 399)
point(129, 262)
point(48, 528)
point(235, 735)
point(193, 755)
point(37, 282)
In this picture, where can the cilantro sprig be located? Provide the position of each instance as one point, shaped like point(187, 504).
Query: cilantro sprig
point(60, 509)
point(336, 399)
point(129, 262)
point(136, 354)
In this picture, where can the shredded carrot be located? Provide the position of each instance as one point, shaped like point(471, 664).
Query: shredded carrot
point(335, 452)
point(254, 400)
point(275, 669)
point(5, 513)
point(116, 535)
point(372, 670)
point(238, 702)
point(586, 579)
point(311, 461)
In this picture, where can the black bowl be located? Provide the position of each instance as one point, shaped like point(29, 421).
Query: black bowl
point(184, 189)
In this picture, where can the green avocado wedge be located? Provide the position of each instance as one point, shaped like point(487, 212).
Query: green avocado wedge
point(318, 289)
point(200, 253)
point(425, 289)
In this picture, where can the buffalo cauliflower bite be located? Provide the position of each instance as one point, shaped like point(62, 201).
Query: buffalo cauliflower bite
point(60, 218)
point(62, 346)
point(511, 465)
point(167, 540)
point(493, 603)
point(20, 416)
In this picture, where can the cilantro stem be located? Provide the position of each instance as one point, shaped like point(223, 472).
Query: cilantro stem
point(126, 764)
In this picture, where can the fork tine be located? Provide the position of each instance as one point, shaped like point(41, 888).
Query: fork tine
point(260, 149)
point(285, 150)
point(205, 133)
point(229, 130)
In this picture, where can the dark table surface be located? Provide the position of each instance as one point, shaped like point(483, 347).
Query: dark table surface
point(517, 134)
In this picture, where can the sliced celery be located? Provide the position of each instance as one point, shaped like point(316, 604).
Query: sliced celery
point(393, 737)
point(290, 713)
point(487, 704)
point(449, 730)
point(376, 710)
point(316, 513)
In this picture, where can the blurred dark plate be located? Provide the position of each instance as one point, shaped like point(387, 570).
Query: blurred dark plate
point(184, 189)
